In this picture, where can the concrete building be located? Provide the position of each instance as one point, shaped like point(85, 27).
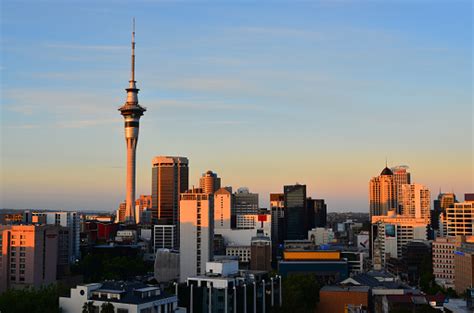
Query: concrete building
point(443, 260)
point(382, 193)
point(170, 178)
point(29, 256)
point(166, 265)
point(401, 176)
point(70, 220)
point(131, 112)
point(245, 202)
point(242, 252)
point(459, 219)
point(163, 237)
point(321, 236)
point(223, 206)
point(197, 232)
point(209, 182)
point(416, 201)
point(391, 232)
point(464, 267)
point(261, 253)
point(131, 297)
point(277, 209)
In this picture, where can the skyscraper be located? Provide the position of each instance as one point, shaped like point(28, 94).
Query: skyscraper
point(401, 176)
point(223, 203)
point(245, 202)
point(131, 111)
point(459, 219)
point(209, 182)
point(317, 213)
point(277, 207)
point(416, 201)
point(170, 178)
point(445, 200)
point(197, 232)
point(296, 223)
point(382, 193)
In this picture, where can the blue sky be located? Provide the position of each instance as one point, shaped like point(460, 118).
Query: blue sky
point(264, 93)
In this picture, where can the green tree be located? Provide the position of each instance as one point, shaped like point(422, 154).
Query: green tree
point(107, 307)
point(30, 300)
point(300, 294)
point(88, 307)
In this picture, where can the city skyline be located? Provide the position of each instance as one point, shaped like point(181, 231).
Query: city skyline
point(229, 108)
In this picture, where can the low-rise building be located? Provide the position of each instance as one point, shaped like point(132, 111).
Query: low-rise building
point(243, 252)
point(464, 267)
point(131, 297)
point(337, 299)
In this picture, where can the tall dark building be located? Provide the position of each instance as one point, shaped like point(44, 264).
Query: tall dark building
point(296, 213)
point(170, 178)
point(444, 201)
point(277, 207)
point(317, 213)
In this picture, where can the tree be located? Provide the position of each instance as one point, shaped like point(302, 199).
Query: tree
point(30, 300)
point(300, 294)
point(107, 307)
point(88, 307)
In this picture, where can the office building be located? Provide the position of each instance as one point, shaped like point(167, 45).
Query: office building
point(277, 209)
point(327, 265)
point(241, 252)
point(443, 260)
point(321, 236)
point(196, 233)
point(68, 219)
point(296, 222)
point(459, 219)
point(170, 178)
point(414, 254)
point(166, 265)
point(245, 202)
point(142, 204)
point(469, 197)
point(209, 182)
point(401, 176)
point(125, 296)
point(163, 237)
point(29, 256)
point(261, 253)
point(464, 267)
point(382, 193)
point(416, 201)
point(223, 203)
point(391, 232)
point(131, 112)
point(318, 212)
point(444, 201)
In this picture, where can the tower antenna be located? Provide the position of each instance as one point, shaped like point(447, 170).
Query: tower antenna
point(133, 50)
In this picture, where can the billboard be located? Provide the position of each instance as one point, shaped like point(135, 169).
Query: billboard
point(390, 230)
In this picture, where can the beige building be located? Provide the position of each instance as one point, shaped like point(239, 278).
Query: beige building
point(443, 260)
point(464, 267)
point(223, 203)
point(209, 182)
point(416, 201)
point(392, 232)
point(459, 219)
point(196, 232)
point(401, 176)
point(29, 255)
point(382, 193)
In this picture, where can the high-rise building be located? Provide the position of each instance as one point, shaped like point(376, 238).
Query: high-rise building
point(401, 176)
point(459, 219)
point(209, 182)
point(163, 237)
point(131, 112)
point(170, 178)
point(416, 201)
point(317, 213)
point(445, 200)
point(29, 255)
point(68, 219)
point(245, 202)
point(142, 204)
point(443, 260)
point(382, 193)
point(277, 209)
point(296, 223)
point(196, 232)
point(223, 203)
point(391, 232)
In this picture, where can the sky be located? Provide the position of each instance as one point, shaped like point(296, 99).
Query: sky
point(265, 93)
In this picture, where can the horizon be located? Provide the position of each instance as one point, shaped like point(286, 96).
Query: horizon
point(263, 98)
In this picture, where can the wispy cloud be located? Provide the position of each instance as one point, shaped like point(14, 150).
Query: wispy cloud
point(206, 105)
point(86, 47)
point(87, 123)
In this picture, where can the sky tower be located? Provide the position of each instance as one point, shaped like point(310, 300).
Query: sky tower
point(131, 112)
